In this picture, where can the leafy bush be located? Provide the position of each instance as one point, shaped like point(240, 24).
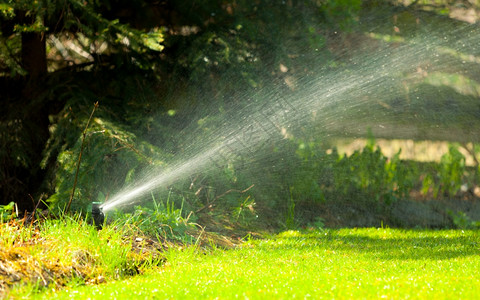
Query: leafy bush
point(299, 175)
point(462, 221)
point(372, 176)
point(342, 13)
point(449, 177)
point(366, 175)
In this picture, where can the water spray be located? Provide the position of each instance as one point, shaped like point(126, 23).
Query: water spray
point(98, 215)
point(327, 100)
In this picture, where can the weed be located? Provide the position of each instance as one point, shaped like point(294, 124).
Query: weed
point(290, 213)
point(244, 212)
point(7, 212)
point(318, 223)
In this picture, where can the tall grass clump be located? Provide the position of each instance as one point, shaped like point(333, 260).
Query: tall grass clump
point(161, 219)
point(101, 252)
point(52, 253)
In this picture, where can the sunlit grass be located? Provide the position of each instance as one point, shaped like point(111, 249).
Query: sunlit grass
point(58, 252)
point(345, 264)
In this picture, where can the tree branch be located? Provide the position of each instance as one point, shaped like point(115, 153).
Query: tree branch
point(80, 157)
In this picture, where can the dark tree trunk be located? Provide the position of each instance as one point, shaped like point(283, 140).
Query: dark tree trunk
point(34, 50)
point(34, 54)
point(30, 118)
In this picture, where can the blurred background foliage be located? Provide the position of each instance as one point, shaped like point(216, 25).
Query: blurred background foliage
point(164, 69)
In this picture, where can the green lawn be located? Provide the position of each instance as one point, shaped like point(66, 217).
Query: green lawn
point(340, 264)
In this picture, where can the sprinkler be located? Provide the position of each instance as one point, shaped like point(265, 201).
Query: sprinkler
point(97, 214)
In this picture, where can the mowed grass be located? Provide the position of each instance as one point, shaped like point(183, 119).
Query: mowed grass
point(340, 264)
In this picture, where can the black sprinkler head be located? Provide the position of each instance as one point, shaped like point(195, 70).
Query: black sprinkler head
point(97, 214)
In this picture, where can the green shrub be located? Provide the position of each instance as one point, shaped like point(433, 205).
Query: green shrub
point(452, 169)
point(111, 158)
point(462, 221)
point(366, 175)
point(448, 177)
point(372, 176)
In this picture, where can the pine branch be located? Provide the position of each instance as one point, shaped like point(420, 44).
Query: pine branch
point(95, 106)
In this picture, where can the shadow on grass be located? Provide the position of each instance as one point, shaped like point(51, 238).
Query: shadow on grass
point(387, 248)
